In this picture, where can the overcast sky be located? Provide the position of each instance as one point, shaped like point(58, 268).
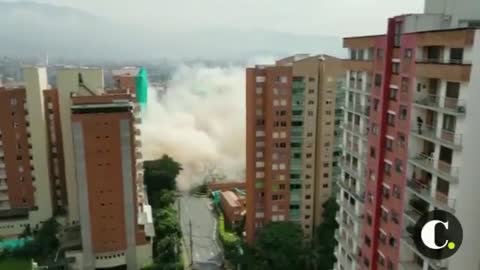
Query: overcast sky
point(324, 17)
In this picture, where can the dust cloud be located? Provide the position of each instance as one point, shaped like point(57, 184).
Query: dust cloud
point(200, 122)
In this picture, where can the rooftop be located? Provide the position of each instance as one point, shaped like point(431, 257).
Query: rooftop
point(231, 198)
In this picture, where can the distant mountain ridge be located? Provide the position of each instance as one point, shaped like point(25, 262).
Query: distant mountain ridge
point(33, 29)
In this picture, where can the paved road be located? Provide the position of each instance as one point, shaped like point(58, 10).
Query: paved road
point(207, 254)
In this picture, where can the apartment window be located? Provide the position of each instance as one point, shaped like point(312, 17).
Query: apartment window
point(389, 144)
point(376, 102)
point(456, 55)
point(311, 79)
point(395, 68)
point(380, 54)
point(388, 168)
point(392, 241)
point(398, 165)
point(404, 84)
point(366, 262)
point(391, 119)
point(260, 79)
point(259, 90)
point(393, 94)
point(378, 80)
point(403, 112)
point(386, 192)
point(395, 218)
point(401, 139)
point(397, 34)
point(374, 129)
point(369, 197)
point(396, 191)
point(381, 259)
point(353, 54)
point(368, 241)
point(408, 53)
point(383, 238)
point(372, 152)
point(384, 215)
point(369, 220)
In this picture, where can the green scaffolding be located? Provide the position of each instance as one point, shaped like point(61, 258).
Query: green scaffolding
point(142, 86)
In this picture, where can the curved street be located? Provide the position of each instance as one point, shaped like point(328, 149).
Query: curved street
point(197, 214)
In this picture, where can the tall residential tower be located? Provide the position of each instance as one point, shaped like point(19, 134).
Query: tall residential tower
point(290, 139)
point(417, 99)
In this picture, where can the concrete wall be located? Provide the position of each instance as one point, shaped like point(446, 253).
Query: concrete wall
point(67, 83)
point(459, 9)
point(36, 82)
point(467, 210)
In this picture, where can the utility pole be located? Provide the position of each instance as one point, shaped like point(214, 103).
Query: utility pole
point(191, 243)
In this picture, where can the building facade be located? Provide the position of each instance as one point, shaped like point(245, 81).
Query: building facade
point(73, 152)
point(417, 145)
point(290, 140)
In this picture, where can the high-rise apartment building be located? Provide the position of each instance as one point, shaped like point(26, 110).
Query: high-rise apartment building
point(418, 135)
point(290, 140)
point(25, 193)
point(90, 170)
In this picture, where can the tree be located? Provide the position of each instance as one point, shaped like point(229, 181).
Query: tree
point(324, 242)
point(44, 243)
point(161, 174)
point(279, 246)
point(166, 223)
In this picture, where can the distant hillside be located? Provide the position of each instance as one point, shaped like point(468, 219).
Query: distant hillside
point(32, 29)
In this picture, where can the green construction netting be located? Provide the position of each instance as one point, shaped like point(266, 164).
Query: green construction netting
point(142, 86)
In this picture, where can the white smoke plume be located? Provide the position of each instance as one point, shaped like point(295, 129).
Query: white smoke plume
point(200, 122)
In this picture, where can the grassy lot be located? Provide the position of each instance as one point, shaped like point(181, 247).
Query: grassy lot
point(15, 264)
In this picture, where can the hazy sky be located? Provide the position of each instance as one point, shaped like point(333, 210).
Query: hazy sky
point(324, 17)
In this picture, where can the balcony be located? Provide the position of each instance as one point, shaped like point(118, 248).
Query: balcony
point(351, 210)
point(444, 137)
point(438, 167)
point(138, 143)
point(3, 196)
point(441, 104)
point(415, 209)
point(423, 190)
point(360, 109)
point(137, 132)
point(138, 120)
point(350, 170)
point(357, 190)
point(408, 240)
point(3, 186)
point(355, 129)
point(451, 71)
